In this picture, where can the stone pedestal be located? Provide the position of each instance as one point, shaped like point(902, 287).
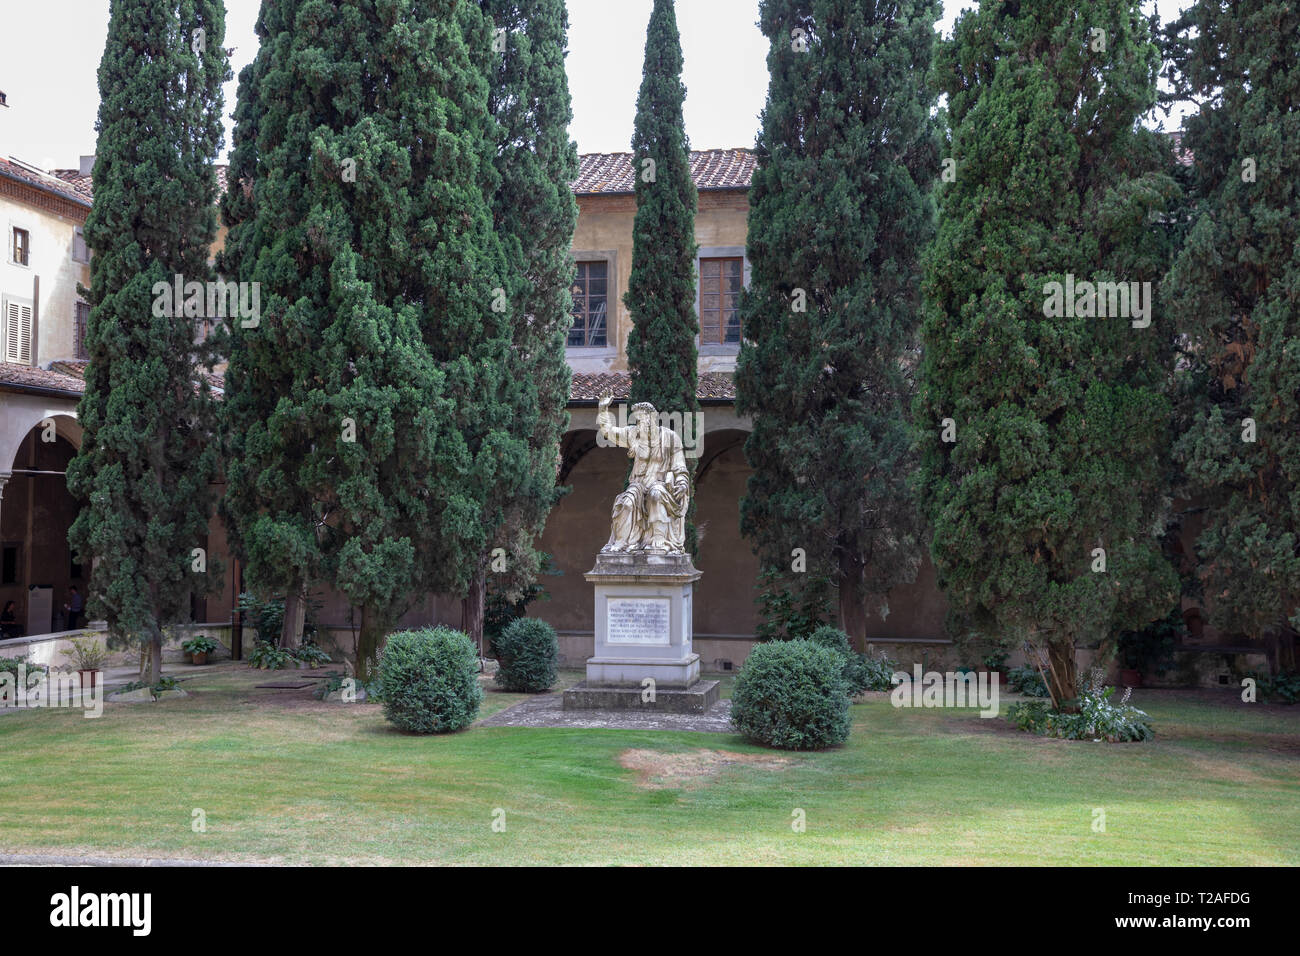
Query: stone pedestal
point(643, 630)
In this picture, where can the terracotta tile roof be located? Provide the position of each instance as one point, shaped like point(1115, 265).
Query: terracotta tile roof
point(43, 181)
point(68, 375)
point(81, 183)
point(31, 376)
point(76, 367)
point(589, 386)
point(597, 173)
point(75, 179)
point(710, 168)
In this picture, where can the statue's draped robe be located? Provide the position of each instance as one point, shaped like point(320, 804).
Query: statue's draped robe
point(650, 514)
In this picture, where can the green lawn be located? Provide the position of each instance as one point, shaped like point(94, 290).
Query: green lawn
point(283, 778)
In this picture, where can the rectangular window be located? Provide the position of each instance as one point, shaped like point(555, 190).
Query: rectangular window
point(9, 565)
point(83, 316)
point(80, 251)
point(590, 298)
point(18, 331)
point(720, 284)
point(22, 246)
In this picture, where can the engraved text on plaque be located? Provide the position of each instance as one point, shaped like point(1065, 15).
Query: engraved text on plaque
point(638, 620)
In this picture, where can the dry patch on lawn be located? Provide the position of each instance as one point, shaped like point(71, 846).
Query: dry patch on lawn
point(1232, 770)
point(657, 770)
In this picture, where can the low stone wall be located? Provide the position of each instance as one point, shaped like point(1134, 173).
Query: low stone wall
point(55, 650)
point(725, 653)
point(1215, 666)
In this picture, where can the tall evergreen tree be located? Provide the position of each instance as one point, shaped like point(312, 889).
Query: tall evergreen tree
point(661, 351)
point(535, 213)
point(145, 463)
point(1236, 292)
point(361, 409)
point(840, 210)
point(1051, 459)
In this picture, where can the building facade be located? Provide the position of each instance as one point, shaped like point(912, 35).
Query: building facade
point(41, 381)
point(42, 322)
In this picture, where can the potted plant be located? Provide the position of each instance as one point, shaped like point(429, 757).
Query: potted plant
point(199, 648)
point(88, 657)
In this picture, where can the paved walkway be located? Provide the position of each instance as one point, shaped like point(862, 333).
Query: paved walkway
point(547, 710)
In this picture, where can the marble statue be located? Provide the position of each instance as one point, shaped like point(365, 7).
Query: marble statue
point(650, 514)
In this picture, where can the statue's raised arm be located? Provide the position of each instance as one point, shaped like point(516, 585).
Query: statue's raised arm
point(609, 429)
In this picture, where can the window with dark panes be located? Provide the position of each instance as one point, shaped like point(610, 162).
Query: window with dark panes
point(22, 246)
point(590, 298)
point(720, 284)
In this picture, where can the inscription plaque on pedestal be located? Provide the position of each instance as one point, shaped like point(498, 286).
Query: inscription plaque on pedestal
point(638, 620)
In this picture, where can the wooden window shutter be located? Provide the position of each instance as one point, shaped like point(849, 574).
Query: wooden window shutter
point(18, 332)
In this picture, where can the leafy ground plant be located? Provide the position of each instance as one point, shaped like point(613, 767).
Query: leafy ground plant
point(1279, 688)
point(1027, 681)
point(267, 656)
point(1097, 719)
point(164, 683)
point(308, 653)
point(872, 672)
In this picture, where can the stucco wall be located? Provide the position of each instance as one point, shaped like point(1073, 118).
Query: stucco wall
point(604, 230)
point(51, 261)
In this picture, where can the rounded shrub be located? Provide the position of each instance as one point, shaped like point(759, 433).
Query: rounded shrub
point(527, 652)
point(833, 638)
point(429, 680)
point(858, 672)
point(792, 695)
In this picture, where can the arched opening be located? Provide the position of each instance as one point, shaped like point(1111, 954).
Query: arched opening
point(577, 528)
point(37, 570)
point(724, 599)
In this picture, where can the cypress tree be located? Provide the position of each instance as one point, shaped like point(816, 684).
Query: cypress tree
point(534, 214)
point(1236, 293)
point(360, 440)
point(1043, 423)
point(145, 463)
point(840, 209)
point(661, 351)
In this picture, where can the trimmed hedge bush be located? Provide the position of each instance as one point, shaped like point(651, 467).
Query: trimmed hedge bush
point(429, 680)
point(792, 695)
point(527, 652)
point(833, 638)
point(861, 672)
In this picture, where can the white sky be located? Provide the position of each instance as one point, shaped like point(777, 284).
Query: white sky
point(50, 50)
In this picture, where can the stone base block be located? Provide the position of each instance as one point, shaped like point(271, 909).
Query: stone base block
point(632, 671)
point(696, 699)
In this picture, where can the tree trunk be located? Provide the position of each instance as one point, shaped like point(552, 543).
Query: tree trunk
point(155, 654)
point(853, 604)
point(370, 644)
point(1284, 652)
point(1064, 674)
point(295, 609)
point(472, 608)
